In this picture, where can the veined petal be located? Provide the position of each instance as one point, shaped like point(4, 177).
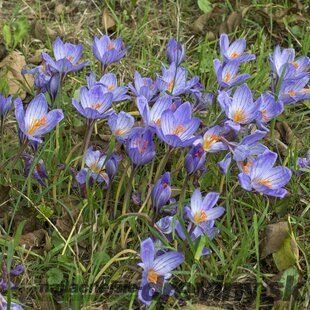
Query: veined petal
point(167, 262)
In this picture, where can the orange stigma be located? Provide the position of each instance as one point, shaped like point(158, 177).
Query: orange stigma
point(165, 185)
point(178, 130)
point(234, 55)
point(296, 65)
point(170, 86)
point(200, 217)
point(291, 93)
point(121, 132)
point(70, 58)
point(152, 276)
point(110, 46)
point(246, 167)
point(209, 140)
point(227, 77)
point(110, 87)
point(266, 183)
point(157, 122)
point(240, 117)
point(96, 106)
point(264, 115)
point(35, 124)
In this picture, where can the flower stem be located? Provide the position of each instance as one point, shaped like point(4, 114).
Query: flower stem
point(89, 131)
point(163, 163)
point(126, 203)
point(182, 196)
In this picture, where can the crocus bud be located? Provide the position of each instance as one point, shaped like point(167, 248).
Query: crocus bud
point(195, 159)
point(161, 192)
point(52, 86)
point(111, 165)
point(5, 105)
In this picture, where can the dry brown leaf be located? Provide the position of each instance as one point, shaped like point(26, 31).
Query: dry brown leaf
point(34, 238)
point(43, 32)
point(107, 21)
point(13, 65)
point(36, 59)
point(233, 21)
point(273, 237)
point(200, 23)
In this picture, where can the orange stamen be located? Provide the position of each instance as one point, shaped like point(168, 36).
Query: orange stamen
point(178, 130)
point(291, 93)
point(110, 87)
point(234, 55)
point(96, 106)
point(35, 124)
point(209, 140)
point(165, 185)
point(152, 276)
point(121, 132)
point(246, 167)
point(110, 46)
point(266, 183)
point(240, 117)
point(227, 77)
point(305, 90)
point(264, 115)
point(199, 153)
point(70, 58)
point(296, 65)
point(200, 217)
point(170, 86)
point(157, 122)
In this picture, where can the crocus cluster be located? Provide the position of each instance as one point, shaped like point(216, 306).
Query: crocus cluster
point(169, 107)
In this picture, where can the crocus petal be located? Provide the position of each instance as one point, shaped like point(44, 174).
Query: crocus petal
point(167, 262)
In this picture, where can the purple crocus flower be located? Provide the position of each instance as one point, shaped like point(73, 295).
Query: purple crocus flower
point(140, 147)
point(94, 103)
point(265, 178)
point(108, 51)
point(303, 163)
point(143, 87)
point(19, 269)
point(195, 159)
point(293, 91)
point(96, 170)
point(241, 109)
point(175, 52)
point(244, 152)
point(67, 56)
point(39, 171)
point(109, 82)
point(111, 165)
point(227, 73)
point(177, 128)
point(202, 211)
point(121, 125)
point(5, 105)
point(174, 80)
point(156, 270)
point(4, 304)
point(234, 51)
point(152, 117)
point(161, 192)
point(211, 140)
point(37, 121)
point(269, 108)
point(165, 224)
point(284, 65)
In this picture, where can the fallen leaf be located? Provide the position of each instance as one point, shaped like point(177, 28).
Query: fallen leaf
point(107, 21)
point(43, 32)
point(200, 23)
point(33, 239)
point(201, 307)
point(36, 59)
point(278, 240)
point(287, 255)
point(233, 21)
point(13, 65)
point(273, 237)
